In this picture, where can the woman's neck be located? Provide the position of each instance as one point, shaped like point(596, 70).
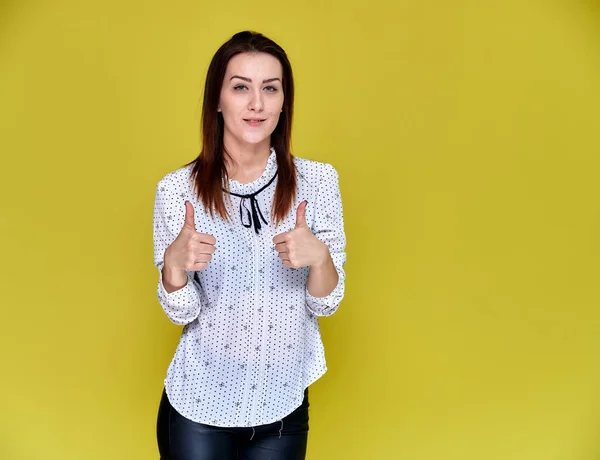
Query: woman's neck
point(247, 162)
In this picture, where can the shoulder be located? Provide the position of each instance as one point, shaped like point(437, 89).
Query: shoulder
point(314, 171)
point(178, 180)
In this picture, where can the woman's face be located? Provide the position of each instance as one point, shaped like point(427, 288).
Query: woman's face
point(251, 98)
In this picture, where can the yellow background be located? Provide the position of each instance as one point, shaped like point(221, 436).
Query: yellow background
point(466, 135)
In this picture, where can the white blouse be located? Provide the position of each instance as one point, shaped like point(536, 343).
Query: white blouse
point(251, 342)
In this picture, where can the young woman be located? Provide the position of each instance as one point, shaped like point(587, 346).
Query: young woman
point(249, 243)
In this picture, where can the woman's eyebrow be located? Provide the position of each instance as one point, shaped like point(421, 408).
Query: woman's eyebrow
point(249, 80)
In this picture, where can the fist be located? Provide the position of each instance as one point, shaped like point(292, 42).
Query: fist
point(299, 247)
point(191, 250)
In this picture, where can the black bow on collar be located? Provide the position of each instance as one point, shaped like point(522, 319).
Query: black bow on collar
point(253, 215)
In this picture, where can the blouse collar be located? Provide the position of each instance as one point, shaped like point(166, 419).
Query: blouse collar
point(257, 184)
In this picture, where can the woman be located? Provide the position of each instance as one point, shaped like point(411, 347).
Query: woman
point(247, 284)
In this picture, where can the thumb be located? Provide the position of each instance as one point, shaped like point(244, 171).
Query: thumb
point(301, 215)
point(189, 216)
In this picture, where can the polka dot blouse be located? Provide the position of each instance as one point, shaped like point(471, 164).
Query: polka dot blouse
point(250, 343)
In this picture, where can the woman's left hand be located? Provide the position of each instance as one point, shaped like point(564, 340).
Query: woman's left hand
point(299, 247)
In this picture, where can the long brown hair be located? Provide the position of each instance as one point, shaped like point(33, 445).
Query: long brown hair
point(209, 171)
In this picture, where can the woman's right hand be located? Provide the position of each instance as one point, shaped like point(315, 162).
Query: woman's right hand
point(191, 251)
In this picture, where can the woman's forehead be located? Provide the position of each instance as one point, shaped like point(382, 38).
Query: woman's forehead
point(258, 64)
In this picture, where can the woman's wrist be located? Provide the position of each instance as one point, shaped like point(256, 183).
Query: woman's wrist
point(325, 258)
point(173, 279)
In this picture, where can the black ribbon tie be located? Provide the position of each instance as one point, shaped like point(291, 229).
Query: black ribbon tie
point(253, 215)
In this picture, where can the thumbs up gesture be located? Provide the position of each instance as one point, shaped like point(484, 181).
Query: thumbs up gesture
point(299, 247)
point(191, 250)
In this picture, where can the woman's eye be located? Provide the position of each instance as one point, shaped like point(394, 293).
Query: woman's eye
point(270, 89)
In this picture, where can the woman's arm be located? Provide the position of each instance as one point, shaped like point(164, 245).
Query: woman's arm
point(179, 294)
point(325, 285)
point(323, 277)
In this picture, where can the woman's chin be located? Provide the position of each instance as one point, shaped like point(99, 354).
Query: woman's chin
point(255, 139)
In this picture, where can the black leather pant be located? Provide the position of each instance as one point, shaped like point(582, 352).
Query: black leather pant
point(182, 439)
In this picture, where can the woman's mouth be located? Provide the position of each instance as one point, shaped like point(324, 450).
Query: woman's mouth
point(254, 121)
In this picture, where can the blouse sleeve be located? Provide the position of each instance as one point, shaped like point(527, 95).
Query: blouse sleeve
point(181, 306)
point(329, 228)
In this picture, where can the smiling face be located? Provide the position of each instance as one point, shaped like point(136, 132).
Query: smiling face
point(251, 98)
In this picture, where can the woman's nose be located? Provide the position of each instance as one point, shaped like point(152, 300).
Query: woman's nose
point(256, 102)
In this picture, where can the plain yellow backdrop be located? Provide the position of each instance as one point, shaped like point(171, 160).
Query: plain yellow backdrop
point(466, 136)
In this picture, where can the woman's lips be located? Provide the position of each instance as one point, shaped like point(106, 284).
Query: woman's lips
point(254, 122)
